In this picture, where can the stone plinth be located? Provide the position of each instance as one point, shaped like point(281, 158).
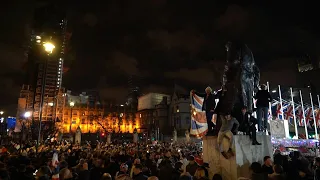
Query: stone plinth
point(238, 166)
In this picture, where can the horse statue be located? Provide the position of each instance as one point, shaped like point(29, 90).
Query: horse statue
point(240, 79)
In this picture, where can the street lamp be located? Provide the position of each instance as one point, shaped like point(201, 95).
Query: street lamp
point(71, 106)
point(27, 114)
point(49, 47)
point(1, 112)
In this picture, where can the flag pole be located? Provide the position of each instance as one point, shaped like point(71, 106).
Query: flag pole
point(314, 117)
point(294, 115)
point(268, 86)
point(304, 116)
point(281, 108)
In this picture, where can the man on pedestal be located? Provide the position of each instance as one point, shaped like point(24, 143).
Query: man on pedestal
point(248, 125)
point(227, 124)
point(208, 106)
point(263, 98)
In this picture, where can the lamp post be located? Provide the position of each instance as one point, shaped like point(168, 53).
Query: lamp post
point(48, 48)
point(26, 115)
point(71, 106)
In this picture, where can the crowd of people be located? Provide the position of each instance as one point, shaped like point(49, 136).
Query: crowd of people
point(164, 161)
point(102, 161)
point(294, 167)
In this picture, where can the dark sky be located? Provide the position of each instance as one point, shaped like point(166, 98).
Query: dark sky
point(162, 40)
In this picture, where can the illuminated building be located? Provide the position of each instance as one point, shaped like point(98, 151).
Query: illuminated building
point(91, 117)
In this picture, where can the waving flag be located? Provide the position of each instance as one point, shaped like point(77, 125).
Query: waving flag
point(288, 113)
point(318, 117)
point(278, 110)
point(308, 114)
point(199, 125)
point(299, 116)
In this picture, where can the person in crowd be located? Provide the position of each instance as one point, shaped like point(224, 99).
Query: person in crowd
point(317, 168)
point(200, 174)
point(84, 173)
point(263, 98)
point(112, 167)
point(277, 173)
point(208, 106)
point(257, 173)
point(166, 169)
point(294, 167)
point(42, 173)
point(248, 125)
point(281, 160)
point(267, 165)
point(228, 122)
point(192, 167)
point(205, 167)
point(184, 162)
point(135, 162)
point(96, 171)
point(178, 170)
point(123, 170)
point(65, 173)
point(106, 176)
point(138, 174)
point(185, 176)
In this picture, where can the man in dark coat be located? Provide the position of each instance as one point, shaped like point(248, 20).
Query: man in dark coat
point(208, 105)
point(263, 98)
point(248, 125)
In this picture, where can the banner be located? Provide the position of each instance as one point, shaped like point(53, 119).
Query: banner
point(198, 118)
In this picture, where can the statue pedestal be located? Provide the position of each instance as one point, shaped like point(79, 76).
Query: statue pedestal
point(245, 154)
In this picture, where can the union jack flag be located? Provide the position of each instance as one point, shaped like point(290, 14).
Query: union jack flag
point(199, 124)
point(288, 114)
point(278, 111)
point(308, 116)
point(299, 116)
point(318, 117)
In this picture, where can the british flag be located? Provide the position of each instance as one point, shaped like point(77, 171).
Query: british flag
point(308, 116)
point(288, 113)
point(299, 116)
point(199, 125)
point(318, 117)
point(278, 111)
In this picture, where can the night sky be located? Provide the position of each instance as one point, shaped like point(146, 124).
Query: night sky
point(163, 41)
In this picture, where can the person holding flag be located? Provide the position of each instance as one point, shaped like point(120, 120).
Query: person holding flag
point(208, 106)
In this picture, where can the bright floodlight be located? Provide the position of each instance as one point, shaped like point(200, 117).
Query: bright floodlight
point(48, 47)
point(1, 112)
point(274, 91)
point(71, 104)
point(27, 114)
point(50, 103)
point(121, 105)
